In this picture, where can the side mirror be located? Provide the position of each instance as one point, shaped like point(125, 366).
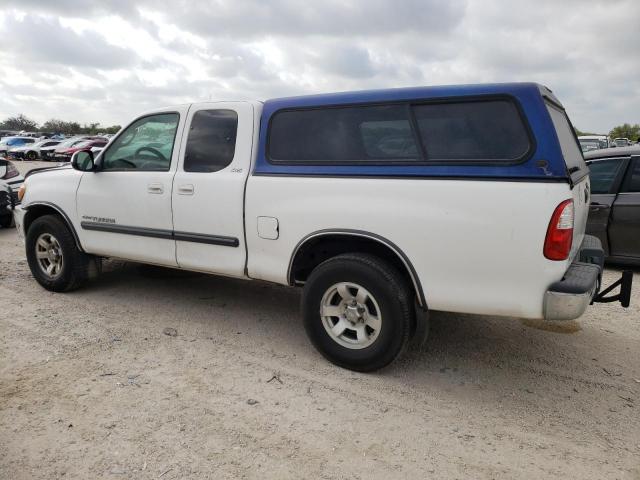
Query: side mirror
point(83, 161)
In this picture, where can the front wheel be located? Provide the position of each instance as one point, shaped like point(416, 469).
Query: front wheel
point(358, 311)
point(6, 221)
point(32, 155)
point(54, 259)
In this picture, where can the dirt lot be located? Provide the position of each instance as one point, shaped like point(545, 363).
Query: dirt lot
point(91, 387)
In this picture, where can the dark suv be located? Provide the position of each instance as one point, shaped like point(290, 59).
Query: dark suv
point(614, 214)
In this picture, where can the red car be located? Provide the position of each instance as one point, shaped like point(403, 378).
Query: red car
point(64, 155)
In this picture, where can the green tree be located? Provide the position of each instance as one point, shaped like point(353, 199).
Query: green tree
point(111, 129)
point(19, 123)
point(91, 128)
point(60, 126)
point(626, 130)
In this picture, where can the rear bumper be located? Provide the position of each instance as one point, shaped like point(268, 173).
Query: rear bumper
point(568, 298)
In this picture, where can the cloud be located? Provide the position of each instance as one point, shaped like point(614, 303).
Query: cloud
point(108, 60)
point(47, 41)
point(342, 18)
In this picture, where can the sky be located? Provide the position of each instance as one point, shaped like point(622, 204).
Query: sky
point(109, 60)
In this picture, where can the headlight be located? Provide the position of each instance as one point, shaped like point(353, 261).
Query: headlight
point(22, 191)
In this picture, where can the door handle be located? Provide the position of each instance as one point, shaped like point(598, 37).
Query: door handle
point(156, 188)
point(186, 189)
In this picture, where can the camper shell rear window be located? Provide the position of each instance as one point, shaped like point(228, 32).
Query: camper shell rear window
point(569, 144)
point(465, 131)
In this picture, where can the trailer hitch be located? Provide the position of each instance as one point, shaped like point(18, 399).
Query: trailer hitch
point(624, 296)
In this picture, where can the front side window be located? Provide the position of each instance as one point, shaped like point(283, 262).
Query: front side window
point(211, 143)
point(146, 145)
point(603, 173)
point(632, 182)
point(343, 135)
point(482, 131)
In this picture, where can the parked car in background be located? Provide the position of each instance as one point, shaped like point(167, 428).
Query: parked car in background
point(6, 205)
point(621, 142)
point(48, 153)
point(614, 213)
point(64, 155)
point(593, 142)
point(10, 183)
point(31, 151)
point(9, 142)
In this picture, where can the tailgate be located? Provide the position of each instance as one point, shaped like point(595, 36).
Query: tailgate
point(576, 169)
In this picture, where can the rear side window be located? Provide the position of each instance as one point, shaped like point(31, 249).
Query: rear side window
point(569, 145)
point(490, 131)
point(603, 173)
point(343, 135)
point(483, 131)
point(211, 144)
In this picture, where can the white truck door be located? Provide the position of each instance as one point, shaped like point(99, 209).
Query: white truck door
point(208, 188)
point(125, 206)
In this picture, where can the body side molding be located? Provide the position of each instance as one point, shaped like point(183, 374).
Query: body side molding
point(160, 233)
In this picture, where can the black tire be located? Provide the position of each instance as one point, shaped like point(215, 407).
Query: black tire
point(6, 221)
point(76, 267)
point(31, 155)
point(391, 293)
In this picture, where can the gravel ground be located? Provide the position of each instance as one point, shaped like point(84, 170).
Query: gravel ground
point(95, 384)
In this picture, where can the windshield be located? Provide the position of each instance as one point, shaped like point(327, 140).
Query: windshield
point(587, 145)
point(69, 143)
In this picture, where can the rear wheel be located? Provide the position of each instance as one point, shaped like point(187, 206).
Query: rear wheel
point(54, 259)
point(358, 311)
point(31, 155)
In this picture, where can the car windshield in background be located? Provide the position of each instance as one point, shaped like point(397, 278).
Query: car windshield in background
point(587, 145)
point(68, 143)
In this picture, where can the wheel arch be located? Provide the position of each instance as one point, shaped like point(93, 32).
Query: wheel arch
point(36, 210)
point(321, 245)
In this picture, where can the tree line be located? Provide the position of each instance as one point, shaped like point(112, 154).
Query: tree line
point(21, 122)
point(626, 130)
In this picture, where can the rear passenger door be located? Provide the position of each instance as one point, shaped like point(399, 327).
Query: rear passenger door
point(624, 229)
point(208, 189)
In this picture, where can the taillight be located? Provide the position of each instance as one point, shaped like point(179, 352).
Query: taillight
point(12, 171)
point(557, 243)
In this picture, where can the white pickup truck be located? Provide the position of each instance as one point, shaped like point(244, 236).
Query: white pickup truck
point(381, 204)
